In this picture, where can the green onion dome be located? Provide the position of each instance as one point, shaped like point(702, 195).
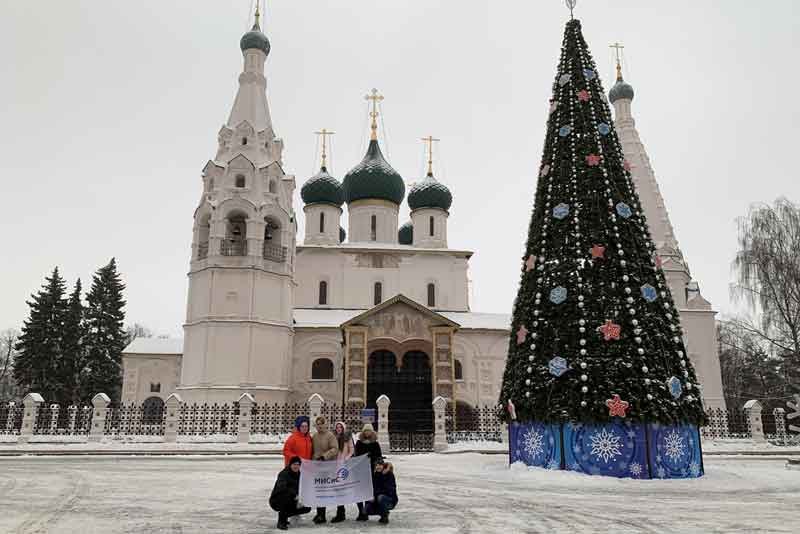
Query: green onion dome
point(342, 235)
point(430, 194)
point(621, 89)
point(373, 178)
point(405, 235)
point(255, 39)
point(322, 187)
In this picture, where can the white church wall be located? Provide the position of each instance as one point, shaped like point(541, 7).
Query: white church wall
point(309, 345)
point(149, 375)
point(359, 217)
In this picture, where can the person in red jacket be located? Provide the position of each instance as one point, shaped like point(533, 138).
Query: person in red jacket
point(299, 442)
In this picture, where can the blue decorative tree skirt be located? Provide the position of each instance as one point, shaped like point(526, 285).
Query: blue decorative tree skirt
point(619, 448)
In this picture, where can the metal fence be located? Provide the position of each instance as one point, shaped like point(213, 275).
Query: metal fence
point(472, 423)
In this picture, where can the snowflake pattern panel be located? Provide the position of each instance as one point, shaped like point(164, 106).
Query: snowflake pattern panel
point(535, 444)
point(616, 449)
point(674, 451)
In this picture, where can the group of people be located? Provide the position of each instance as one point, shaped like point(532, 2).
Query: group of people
point(325, 445)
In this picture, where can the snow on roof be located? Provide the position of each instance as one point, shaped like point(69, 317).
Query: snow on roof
point(155, 345)
point(333, 318)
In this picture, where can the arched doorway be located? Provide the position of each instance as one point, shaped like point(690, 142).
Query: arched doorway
point(408, 384)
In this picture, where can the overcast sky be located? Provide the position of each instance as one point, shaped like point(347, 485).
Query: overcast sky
point(111, 108)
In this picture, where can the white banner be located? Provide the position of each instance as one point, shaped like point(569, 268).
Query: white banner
point(333, 483)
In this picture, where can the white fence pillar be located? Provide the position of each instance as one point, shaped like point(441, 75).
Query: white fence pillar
point(504, 433)
point(100, 403)
point(315, 403)
point(383, 403)
point(753, 410)
point(439, 431)
point(780, 424)
point(173, 407)
point(31, 404)
point(245, 411)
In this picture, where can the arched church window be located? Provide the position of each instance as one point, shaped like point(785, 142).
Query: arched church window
point(240, 181)
point(377, 293)
point(322, 223)
point(272, 187)
point(155, 387)
point(373, 228)
point(458, 370)
point(431, 295)
point(323, 292)
point(430, 224)
point(322, 369)
point(244, 140)
point(152, 411)
point(211, 184)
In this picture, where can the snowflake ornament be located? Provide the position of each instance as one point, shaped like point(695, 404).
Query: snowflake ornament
point(624, 210)
point(564, 131)
point(606, 445)
point(589, 74)
point(558, 294)
point(635, 469)
point(610, 330)
point(673, 446)
point(597, 251)
point(557, 366)
point(561, 211)
point(522, 333)
point(616, 406)
point(694, 469)
point(675, 387)
point(603, 128)
point(564, 79)
point(649, 293)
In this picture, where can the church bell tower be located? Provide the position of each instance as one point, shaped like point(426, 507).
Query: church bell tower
point(238, 331)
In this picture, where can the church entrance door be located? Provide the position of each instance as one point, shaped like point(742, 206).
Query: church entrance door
point(408, 384)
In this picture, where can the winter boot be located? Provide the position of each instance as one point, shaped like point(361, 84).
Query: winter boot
point(361, 515)
point(384, 518)
point(339, 515)
point(320, 517)
point(283, 522)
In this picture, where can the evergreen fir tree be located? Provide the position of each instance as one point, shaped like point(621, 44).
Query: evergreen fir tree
point(72, 361)
point(593, 316)
point(37, 363)
point(105, 335)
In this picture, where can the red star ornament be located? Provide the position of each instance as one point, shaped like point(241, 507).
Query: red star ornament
point(530, 263)
point(522, 333)
point(583, 96)
point(616, 406)
point(626, 165)
point(598, 251)
point(610, 330)
point(658, 260)
point(592, 160)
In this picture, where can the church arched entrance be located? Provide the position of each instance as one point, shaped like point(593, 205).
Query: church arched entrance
point(408, 384)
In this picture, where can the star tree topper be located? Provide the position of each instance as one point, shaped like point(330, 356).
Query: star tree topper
point(617, 406)
point(610, 330)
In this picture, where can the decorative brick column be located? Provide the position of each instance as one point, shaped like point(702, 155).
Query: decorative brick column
point(31, 404)
point(753, 410)
point(100, 403)
point(315, 403)
point(439, 431)
point(383, 403)
point(173, 407)
point(246, 402)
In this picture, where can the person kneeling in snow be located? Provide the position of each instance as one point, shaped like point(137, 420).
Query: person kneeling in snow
point(284, 495)
point(384, 487)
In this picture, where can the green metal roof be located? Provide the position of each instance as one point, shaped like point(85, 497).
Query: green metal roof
point(255, 39)
point(322, 187)
point(373, 178)
point(405, 235)
point(621, 89)
point(430, 194)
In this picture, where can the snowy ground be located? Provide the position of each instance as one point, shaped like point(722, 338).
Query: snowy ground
point(438, 494)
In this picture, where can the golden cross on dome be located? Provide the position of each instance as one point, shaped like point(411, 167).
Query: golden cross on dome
point(430, 140)
point(375, 97)
point(617, 47)
point(324, 134)
point(258, 13)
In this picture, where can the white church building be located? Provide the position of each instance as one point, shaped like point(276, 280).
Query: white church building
point(381, 308)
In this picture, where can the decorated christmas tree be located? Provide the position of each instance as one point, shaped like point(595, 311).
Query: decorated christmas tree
point(596, 360)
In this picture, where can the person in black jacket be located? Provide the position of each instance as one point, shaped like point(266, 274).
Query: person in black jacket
point(384, 486)
point(284, 496)
point(367, 444)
